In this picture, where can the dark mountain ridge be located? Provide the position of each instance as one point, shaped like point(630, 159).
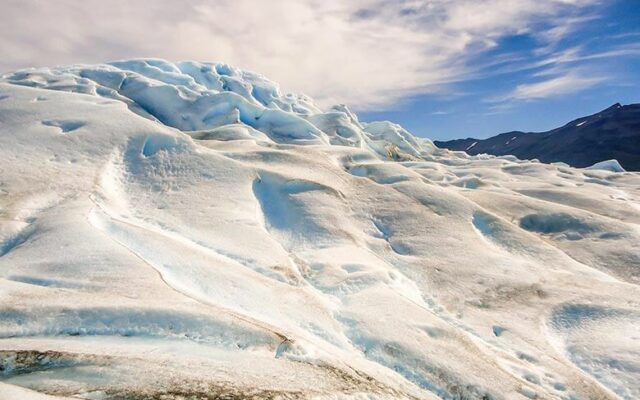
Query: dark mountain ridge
point(613, 133)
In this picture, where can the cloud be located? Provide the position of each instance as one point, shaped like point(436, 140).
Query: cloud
point(555, 63)
point(560, 31)
point(366, 53)
point(569, 82)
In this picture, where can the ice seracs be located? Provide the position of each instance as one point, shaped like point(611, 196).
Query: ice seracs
point(202, 97)
point(175, 230)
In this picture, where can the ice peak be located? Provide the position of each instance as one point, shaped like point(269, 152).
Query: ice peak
point(195, 96)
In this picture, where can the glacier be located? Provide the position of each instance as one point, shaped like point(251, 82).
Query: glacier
point(185, 230)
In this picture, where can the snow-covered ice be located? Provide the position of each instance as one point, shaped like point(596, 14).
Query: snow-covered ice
point(608, 165)
point(170, 230)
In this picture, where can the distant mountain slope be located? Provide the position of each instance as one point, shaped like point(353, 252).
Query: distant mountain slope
point(611, 133)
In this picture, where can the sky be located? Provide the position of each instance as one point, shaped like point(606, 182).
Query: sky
point(443, 69)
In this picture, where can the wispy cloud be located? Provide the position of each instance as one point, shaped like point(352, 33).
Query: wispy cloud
point(367, 53)
point(559, 31)
point(570, 82)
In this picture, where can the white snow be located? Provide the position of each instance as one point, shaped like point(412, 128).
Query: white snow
point(471, 145)
point(186, 229)
point(581, 123)
point(510, 140)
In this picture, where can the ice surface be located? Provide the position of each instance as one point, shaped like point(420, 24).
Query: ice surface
point(184, 230)
point(608, 165)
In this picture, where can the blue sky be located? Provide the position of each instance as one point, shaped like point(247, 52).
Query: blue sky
point(442, 68)
point(599, 60)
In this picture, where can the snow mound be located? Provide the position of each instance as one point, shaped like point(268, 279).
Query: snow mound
point(192, 96)
point(186, 230)
point(608, 165)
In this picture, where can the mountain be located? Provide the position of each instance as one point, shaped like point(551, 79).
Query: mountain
point(613, 133)
point(186, 230)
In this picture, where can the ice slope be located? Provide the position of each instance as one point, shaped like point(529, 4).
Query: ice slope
point(185, 230)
